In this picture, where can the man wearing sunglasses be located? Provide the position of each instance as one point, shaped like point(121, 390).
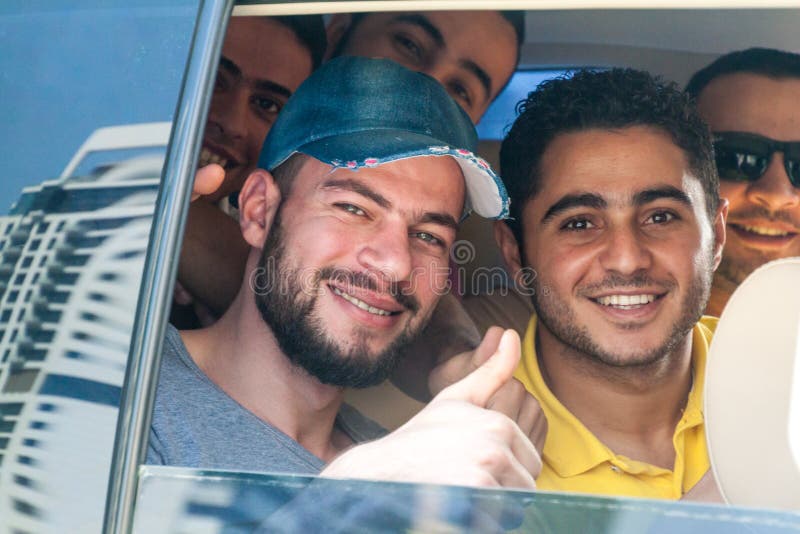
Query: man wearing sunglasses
point(749, 99)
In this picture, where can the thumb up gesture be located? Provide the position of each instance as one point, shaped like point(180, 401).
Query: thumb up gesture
point(457, 438)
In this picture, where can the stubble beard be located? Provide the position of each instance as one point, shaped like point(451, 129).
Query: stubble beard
point(559, 318)
point(289, 312)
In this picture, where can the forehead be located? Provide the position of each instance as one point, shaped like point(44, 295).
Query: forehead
point(483, 37)
point(265, 48)
point(414, 185)
point(614, 164)
point(752, 103)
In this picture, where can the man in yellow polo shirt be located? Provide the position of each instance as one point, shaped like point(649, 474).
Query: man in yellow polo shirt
point(616, 215)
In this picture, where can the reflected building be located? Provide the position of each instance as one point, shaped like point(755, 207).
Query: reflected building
point(71, 257)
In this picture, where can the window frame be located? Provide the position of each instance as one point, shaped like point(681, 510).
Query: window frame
point(161, 264)
point(177, 178)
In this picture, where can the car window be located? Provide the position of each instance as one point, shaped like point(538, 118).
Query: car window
point(90, 90)
point(241, 501)
point(224, 502)
point(494, 125)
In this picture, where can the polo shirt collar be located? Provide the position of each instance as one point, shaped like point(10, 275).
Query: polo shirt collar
point(585, 451)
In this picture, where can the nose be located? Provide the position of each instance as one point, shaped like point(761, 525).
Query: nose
point(438, 70)
point(387, 254)
point(229, 113)
point(773, 190)
point(625, 251)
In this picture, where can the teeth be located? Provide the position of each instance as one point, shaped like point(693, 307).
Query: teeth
point(206, 157)
point(760, 230)
point(360, 303)
point(625, 301)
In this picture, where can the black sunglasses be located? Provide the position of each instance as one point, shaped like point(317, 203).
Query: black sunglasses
point(744, 157)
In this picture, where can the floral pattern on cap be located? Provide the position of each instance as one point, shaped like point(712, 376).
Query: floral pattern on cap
point(437, 150)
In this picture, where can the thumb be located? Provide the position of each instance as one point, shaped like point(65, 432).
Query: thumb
point(207, 180)
point(461, 365)
point(481, 384)
point(489, 345)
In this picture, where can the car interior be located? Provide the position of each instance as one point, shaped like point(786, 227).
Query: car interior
point(91, 235)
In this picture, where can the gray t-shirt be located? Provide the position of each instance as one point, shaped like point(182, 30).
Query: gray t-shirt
point(196, 424)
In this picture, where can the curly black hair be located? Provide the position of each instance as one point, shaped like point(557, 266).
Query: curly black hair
point(608, 99)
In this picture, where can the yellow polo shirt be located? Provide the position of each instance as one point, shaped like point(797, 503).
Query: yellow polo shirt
point(575, 460)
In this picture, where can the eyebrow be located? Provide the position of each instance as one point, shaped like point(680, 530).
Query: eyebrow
point(443, 219)
point(428, 27)
point(358, 187)
point(582, 200)
point(591, 200)
point(260, 84)
point(651, 195)
point(483, 77)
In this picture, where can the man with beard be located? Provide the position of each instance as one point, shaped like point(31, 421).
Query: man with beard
point(371, 170)
point(471, 53)
point(749, 99)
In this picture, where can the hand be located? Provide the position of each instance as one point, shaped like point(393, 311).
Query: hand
point(455, 439)
point(207, 180)
point(511, 399)
point(449, 331)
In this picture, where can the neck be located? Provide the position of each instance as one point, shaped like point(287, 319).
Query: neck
point(240, 354)
point(721, 290)
point(633, 410)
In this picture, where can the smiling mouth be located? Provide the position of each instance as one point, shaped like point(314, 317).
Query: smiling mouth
point(207, 157)
point(627, 302)
point(363, 305)
point(763, 231)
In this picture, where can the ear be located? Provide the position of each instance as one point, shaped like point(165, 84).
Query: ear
point(335, 30)
point(719, 230)
point(508, 246)
point(258, 202)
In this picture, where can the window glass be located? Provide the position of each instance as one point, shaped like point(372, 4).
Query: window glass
point(89, 87)
point(223, 502)
point(501, 114)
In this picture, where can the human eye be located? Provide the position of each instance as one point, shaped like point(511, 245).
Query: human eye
point(577, 224)
point(460, 92)
point(408, 47)
point(351, 209)
point(429, 239)
point(660, 217)
point(266, 106)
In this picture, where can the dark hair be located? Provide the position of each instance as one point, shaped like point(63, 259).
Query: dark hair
point(610, 99)
point(310, 30)
point(285, 173)
point(764, 61)
point(517, 20)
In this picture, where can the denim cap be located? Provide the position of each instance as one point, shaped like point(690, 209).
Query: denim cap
point(356, 112)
